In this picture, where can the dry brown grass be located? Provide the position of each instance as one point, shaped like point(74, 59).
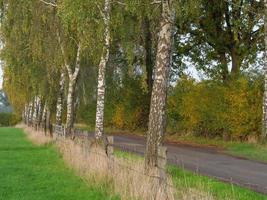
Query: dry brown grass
point(37, 137)
point(124, 176)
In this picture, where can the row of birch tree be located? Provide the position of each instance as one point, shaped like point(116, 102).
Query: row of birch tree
point(48, 46)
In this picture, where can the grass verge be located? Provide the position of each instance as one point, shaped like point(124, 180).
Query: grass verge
point(31, 172)
point(191, 186)
point(131, 185)
point(251, 151)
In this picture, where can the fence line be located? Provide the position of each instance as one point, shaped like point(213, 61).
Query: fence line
point(59, 132)
point(110, 156)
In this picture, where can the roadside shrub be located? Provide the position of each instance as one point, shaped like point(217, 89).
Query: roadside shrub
point(118, 118)
point(230, 110)
point(7, 119)
point(215, 109)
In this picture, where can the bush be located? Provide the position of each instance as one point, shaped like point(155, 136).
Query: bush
point(7, 119)
point(231, 110)
point(214, 109)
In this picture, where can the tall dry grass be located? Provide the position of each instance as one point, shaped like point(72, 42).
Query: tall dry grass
point(37, 137)
point(123, 176)
point(126, 177)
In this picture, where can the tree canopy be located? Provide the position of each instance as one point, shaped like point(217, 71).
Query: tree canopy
point(45, 40)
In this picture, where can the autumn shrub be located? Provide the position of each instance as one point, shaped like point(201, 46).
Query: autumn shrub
point(118, 118)
point(214, 109)
point(210, 108)
point(244, 103)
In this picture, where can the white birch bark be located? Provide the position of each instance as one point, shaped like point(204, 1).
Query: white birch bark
point(40, 112)
point(25, 114)
point(35, 110)
point(157, 116)
point(60, 100)
point(264, 121)
point(43, 120)
point(48, 122)
point(99, 126)
point(72, 83)
point(30, 113)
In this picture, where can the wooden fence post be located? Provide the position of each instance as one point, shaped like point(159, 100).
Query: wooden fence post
point(110, 152)
point(64, 132)
point(87, 146)
point(162, 163)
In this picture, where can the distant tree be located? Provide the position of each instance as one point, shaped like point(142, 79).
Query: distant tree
point(222, 38)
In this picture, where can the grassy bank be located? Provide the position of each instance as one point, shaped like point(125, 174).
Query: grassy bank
point(252, 151)
point(29, 172)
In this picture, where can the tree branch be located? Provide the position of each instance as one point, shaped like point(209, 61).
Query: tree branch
point(48, 3)
point(78, 62)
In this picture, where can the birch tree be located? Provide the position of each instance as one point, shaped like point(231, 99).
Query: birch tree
point(99, 127)
point(157, 116)
point(59, 105)
point(72, 75)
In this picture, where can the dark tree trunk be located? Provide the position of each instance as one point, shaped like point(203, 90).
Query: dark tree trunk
point(149, 55)
point(48, 122)
point(224, 67)
point(236, 63)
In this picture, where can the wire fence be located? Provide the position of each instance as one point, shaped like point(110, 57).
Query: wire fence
point(84, 137)
point(81, 137)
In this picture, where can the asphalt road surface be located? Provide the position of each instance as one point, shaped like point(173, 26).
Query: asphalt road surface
point(208, 162)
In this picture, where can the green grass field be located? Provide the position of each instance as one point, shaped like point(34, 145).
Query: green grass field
point(29, 172)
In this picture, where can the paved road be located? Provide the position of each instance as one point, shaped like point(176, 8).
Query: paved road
point(209, 162)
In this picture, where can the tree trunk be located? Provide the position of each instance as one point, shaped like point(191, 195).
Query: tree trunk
point(157, 116)
point(224, 67)
point(30, 113)
point(26, 113)
point(40, 113)
point(235, 62)
point(72, 84)
point(48, 126)
point(149, 65)
point(148, 57)
point(264, 120)
point(60, 100)
point(70, 107)
point(99, 126)
point(35, 111)
point(43, 120)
